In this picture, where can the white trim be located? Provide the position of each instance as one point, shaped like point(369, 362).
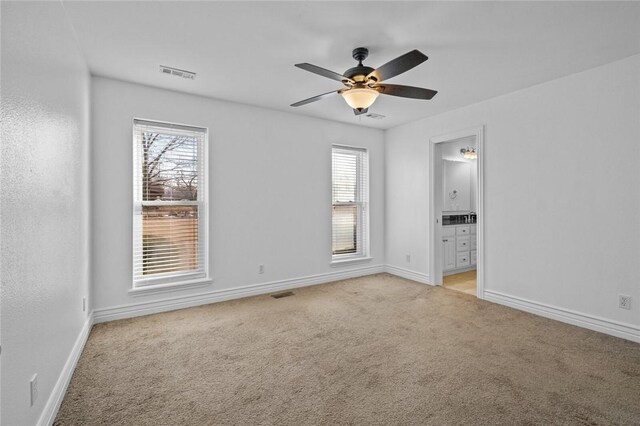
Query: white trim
point(591, 322)
point(435, 266)
point(361, 203)
point(202, 202)
point(163, 288)
point(350, 260)
point(408, 274)
point(57, 394)
point(180, 302)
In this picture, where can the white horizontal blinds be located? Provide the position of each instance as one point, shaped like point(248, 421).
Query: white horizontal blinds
point(350, 175)
point(169, 203)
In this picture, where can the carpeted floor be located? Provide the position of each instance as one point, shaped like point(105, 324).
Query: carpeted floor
point(375, 350)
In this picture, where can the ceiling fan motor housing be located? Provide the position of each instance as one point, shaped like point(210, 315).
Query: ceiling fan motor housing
point(361, 71)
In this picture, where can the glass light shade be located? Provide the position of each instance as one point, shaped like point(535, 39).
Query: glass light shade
point(360, 98)
point(469, 153)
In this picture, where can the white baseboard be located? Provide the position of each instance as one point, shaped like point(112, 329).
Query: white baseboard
point(180, 302)
point(57, 394)
point(408, 274)
point(614, 328)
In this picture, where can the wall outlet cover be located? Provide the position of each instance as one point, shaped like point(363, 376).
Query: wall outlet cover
point(624, 302)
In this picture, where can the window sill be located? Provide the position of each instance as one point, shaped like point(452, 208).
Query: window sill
point(349, 261)
point(163, 288)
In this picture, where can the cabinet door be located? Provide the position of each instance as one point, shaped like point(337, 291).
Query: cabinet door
point(449, 253)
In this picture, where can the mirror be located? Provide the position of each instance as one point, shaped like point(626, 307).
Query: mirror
point(459, 186)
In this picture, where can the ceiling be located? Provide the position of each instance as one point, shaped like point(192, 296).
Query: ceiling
point(245, 51)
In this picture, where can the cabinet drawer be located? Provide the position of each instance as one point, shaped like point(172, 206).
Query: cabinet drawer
point(462, 243)
point(474, 257)
point(448, 231)
point(473, 244)
point(462, 260)
point(462, 230)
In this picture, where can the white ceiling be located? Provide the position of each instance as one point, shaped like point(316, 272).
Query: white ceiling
point(245, 51)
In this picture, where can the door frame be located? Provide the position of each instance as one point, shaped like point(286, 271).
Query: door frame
point(435, 210)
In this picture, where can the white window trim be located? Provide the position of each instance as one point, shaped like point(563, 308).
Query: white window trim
point(168, 287)
point(364, 254)
point(181, 280)
point(344, 262)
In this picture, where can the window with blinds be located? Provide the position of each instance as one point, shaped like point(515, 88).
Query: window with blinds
point(169, 199)
point(350, 188)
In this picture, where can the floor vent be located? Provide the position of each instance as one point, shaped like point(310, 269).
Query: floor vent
point(281, 295)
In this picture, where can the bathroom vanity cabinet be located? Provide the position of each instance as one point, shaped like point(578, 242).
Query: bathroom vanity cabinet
point(459, 247)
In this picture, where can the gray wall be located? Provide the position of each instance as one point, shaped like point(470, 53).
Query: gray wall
point(561, 191)
point(44, 214)
point(269, 188)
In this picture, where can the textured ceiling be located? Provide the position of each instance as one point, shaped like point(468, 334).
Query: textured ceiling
point(245, 51)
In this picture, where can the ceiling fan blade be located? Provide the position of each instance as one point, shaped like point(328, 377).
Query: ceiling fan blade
point(405, 91)
point(324, 72)
point(313, 99)
point(364, 111)
point(398, 65)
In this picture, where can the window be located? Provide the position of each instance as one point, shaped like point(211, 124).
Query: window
point(170, 203)
point(350, 183)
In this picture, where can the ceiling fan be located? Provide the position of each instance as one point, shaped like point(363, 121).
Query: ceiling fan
point(364, 84)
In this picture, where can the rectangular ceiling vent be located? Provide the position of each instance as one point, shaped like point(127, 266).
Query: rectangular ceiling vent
point(375, 116)
point(177, 73)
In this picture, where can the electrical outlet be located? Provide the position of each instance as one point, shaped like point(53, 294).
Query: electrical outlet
point(408, 258)
point(624, 302)
point(261, 269)
point(34, 389)
point(84, 304)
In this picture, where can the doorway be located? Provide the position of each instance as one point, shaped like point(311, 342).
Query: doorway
point(456, 220)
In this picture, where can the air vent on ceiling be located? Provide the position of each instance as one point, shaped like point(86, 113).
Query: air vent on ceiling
point(375, 116)
point(177, 73)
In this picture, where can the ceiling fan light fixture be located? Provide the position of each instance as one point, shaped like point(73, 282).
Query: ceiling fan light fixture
point(360, 98)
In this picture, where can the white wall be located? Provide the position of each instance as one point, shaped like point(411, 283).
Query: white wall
point(561, 191)
point(44, 217)
point(270, 189)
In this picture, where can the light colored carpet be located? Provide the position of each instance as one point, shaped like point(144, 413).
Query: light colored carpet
point(375, 350)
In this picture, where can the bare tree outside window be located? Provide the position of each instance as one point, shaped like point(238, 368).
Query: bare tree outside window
point(169, 167)
point(169, 164)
